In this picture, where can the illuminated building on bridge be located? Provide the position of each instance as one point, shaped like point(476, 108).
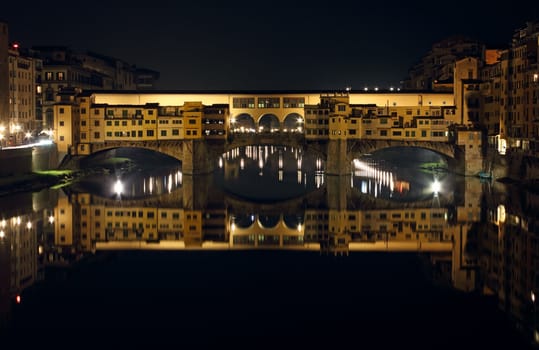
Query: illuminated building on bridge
point(181, 124)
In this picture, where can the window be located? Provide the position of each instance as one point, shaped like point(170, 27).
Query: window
point(268, 102)
point(247, 102)
point(61, 123)
point(293, 102)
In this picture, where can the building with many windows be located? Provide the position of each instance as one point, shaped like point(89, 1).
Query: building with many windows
point(65, 68)
point(24, 94)
point(436, 69)
point(31, 79)
point(4, 81)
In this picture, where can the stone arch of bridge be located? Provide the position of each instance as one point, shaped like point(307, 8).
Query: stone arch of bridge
point(172, 148)
point(293, 122)
point(268, 122)
point(244, 122)
point(362, 147)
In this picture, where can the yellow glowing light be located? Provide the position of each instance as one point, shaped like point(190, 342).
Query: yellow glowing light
point(18, 299)
point(51, 219)
point(29, 225)
point(2, 234)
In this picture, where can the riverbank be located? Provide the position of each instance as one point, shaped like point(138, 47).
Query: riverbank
point(32, 182)
point(71, 171)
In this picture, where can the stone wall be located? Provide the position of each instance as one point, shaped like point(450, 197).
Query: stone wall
point(15, 161)
point(515, 166)
point(26, 160)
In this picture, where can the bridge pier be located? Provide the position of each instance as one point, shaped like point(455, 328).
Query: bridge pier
point(469, 153)
point(337, 158)
point(196, 158)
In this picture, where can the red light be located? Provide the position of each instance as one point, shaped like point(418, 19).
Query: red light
point(18, 299)
point(15, 46)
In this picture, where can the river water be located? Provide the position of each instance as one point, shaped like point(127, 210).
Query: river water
point(269, 249)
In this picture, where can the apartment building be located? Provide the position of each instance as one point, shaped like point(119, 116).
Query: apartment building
point(435, 70)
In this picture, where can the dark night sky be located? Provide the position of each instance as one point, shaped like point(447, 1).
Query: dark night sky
point(265, 45)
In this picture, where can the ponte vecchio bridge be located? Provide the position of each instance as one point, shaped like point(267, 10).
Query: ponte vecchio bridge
point(197, 127)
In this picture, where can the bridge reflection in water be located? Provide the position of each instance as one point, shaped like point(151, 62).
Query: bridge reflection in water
point(461, 228)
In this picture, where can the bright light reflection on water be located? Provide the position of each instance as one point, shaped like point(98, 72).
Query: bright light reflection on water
point(268, 173)
point(382, 181)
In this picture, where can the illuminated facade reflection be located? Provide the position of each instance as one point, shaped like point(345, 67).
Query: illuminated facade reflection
point(476, 236)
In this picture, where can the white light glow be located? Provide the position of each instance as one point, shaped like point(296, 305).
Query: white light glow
point(436, 186)
point(118, 187)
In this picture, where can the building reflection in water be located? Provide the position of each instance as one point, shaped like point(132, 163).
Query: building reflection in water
point(476, 236)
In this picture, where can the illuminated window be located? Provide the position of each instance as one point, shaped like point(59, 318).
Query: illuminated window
point(268, 102)
point(248, 102)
